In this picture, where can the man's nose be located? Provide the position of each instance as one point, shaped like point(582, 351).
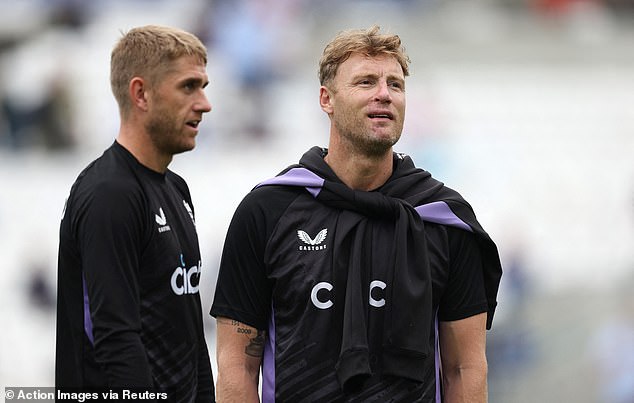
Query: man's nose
point(383, 92)
point(203, 104)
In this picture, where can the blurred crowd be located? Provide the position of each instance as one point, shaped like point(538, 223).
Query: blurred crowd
point(258, 43)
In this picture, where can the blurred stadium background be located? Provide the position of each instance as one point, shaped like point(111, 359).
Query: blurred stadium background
point(526, 107)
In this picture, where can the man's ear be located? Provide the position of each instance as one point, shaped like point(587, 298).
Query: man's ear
point(325, 99)
point(138, 93)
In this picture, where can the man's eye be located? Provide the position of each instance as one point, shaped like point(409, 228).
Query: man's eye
point(191, 85)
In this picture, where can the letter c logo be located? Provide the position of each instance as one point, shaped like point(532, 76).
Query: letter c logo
point(377, 284)
point(313, 295)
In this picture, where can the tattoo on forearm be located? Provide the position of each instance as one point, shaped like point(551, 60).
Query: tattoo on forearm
point(256, 345)
point(255, 348)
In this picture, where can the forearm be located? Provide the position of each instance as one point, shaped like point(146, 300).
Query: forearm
point(466, 384)
point(239, 350)
point(464, 362)
point(236, 385)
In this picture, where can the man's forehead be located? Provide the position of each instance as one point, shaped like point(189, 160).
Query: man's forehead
point(187, 65)
point(384, 64)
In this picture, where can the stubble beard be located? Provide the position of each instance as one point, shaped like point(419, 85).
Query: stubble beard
point(364, 141)
point(164, 132)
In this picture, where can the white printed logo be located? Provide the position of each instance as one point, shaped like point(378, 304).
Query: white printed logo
point(310, 243)
point(323, 303)
point(161, 220)
point(189, 211)
point(185, 281)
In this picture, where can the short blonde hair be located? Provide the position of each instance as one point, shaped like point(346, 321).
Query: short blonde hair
point(147, 52)
point(368, 42)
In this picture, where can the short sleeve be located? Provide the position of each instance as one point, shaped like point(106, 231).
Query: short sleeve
point(464, 294)
point(243, 291)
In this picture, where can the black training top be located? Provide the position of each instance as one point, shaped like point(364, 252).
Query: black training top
point(277, 275)
point(129, 312)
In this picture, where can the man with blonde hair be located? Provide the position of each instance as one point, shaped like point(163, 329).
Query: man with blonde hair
point(337, 273)
point(129, 313)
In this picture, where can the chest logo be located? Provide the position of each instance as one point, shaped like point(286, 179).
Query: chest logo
point(312, 243)
point(186, 281)
point(161, 220)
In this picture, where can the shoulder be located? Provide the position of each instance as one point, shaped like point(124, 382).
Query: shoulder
point(454, 242)
point(260, 210)
point(270, 199)
point(107, 185)
point(106, 178)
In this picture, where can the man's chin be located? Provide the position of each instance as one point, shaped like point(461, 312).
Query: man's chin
point(379, 147)
point(183, 148)
point(189, 144)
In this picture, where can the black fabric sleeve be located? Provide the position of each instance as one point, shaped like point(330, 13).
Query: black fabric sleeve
point(206, 391)
point(110, 228)
point(464, 295)
point(243, 291)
